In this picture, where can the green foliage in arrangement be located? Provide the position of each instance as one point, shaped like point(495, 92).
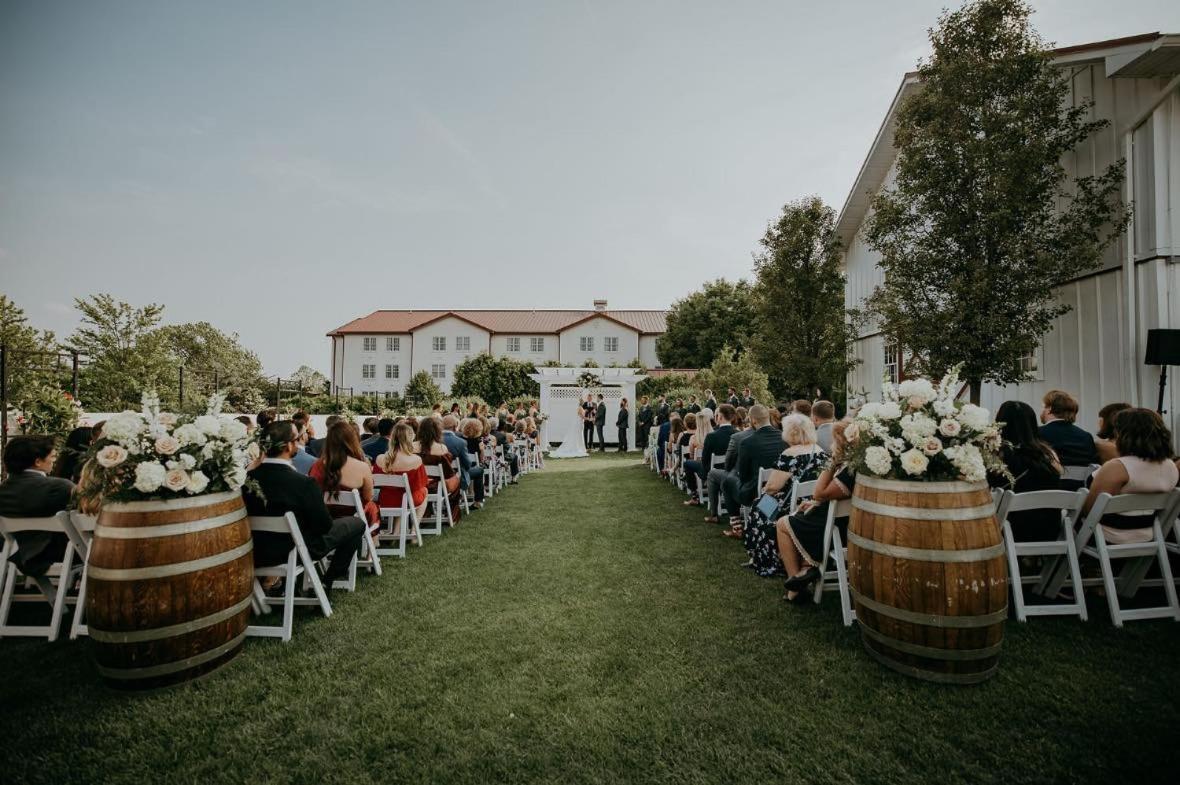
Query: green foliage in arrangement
point(701, 323)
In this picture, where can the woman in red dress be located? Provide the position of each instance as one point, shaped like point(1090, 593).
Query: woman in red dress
point(342, 467)
point(401, 460)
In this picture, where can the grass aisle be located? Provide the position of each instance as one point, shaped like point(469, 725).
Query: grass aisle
point(588, 628)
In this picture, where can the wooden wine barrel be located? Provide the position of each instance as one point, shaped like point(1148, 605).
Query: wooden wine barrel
point(926, 570)
point(168, 592)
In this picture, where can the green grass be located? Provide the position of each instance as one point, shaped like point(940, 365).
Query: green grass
point(586, 627)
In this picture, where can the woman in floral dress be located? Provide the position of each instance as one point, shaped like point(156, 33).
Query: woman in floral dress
point(801, 461)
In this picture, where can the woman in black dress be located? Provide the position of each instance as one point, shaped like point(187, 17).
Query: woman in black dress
point(1033, 465)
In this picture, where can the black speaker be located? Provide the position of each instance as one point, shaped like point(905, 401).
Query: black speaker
point(1163, 347)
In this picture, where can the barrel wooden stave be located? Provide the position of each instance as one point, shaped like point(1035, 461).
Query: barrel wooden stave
point(972, 593)
point(154, 630)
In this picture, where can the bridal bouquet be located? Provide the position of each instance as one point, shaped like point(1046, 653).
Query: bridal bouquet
point(920, 432)
point(152, 454)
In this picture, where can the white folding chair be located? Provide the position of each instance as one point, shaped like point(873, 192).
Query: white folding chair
point(799, 492)
point(299, 564)
point(717, 462)
point(368, 558)
point(402, 520)
point(835, 550)
point(81, 532)
point(438, 497)
point(1068, 505)
point(1078, 473)
point(52, 588)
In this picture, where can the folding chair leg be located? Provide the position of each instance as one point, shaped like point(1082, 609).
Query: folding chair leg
point(1166, 573)
point(6, 598)
point(842, 577)
point(76, 626)
point(59, 597)
point(289, 599)
point(1075, 573)
point(1108, 577)
point(1014, 581)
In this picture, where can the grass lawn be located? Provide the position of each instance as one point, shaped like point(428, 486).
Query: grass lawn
point(586, 627)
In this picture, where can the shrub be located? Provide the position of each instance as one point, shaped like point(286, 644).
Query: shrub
point(422, 392)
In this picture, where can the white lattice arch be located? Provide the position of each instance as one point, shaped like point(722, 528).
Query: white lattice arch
point(561, 391)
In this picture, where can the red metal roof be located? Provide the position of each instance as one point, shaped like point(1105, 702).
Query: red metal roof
point(518, 321)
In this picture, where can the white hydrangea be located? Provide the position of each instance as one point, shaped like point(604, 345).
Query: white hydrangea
point(944, 407)
point(968, 460)
point(870, 411)
point(189, 434)
point(914, 462)
point(210, 424)
point(919, 426)
point(889, 411)
point(149, 476)
point(895, 445)
point(124, 428)
point(975, 417)
point(878, 460)
point(187, 462)
point(232, 431)
point(197, 482)
point(237, 478)
point(918, 392)
point(208, 450)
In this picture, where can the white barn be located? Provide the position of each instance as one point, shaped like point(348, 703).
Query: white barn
point(1096, 350)
point(379, 353)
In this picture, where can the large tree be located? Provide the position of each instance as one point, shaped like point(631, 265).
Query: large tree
point(802, 336)
point(702, 322)
point(208, 355)
point(125, 352)
point(27, 349)
point(982, 222)
point(494, 379)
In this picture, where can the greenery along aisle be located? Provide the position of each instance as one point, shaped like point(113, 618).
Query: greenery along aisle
point(588, 628)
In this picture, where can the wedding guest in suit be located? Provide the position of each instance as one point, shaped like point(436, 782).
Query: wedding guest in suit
point(73, 454)
point(29, 492)
point(401, 459)
point(600, 422)
point(380, 444)
point(342, 467)
point(823, 414)
point(314, 445)
point(622, 423)
point(302, 460)
point(758, 451)
point(733, 399)
point(1104, 441)
point(433, 451)
point(710, 401)
point(717, 443)
point(663, 435)
point(747, 398)
point(283, 490)
point(470, 474)
point(693, 406)
point(643, 421)
point(663, 411)
point(369, 431)
point(1074, 446)
point(1034, 466)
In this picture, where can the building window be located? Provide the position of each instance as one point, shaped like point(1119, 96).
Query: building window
point(438, 371)
point(514, 344)
point(392, 371)
point(393, 344)
point(1030, 363)
point(536, 345)
point(586, 343)
point(369, 371)
point(439, 343)
point(463, 343)
point(370, 343)
point(892, 361)
point(610, 344)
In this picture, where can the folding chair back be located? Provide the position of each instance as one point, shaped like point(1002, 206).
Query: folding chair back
point(402, 519)
point(1078, 473)
point(1067, 505)
point(353, 499)
point(299, 564)
point(763, 476)
point(799, 492)
point(440, 500)
point(835, 549)
point(53, 586)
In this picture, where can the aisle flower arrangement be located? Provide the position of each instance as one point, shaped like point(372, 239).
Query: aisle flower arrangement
point(152, 454)
point(920, 432)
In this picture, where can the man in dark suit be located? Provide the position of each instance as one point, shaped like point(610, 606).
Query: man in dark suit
point(662, 436)
point(716, 443)
point(733, 399)
point(29, 492)
point(747, 398)
point(757, 451)
point(622, 421)
point(285, 490)
point(710, 401)
point(663, 411)
point(1074, 446)
point(600, 422)
point(680, 408)
point(368, 430)
point(643, 421)
point(589, 411)
point(693, 406)
point(379, 445)
point(315, 446)
point(470, 473)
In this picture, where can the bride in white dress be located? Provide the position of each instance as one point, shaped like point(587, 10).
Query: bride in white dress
point(573, 445)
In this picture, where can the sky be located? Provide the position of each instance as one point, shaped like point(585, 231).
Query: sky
point(281, 167)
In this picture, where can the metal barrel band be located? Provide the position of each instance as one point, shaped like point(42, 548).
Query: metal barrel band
point(928, 675)
point(170, 505)
point(168, 668)
point(167, 529)
point(930, 619)
point(924, 554)
point(168, 570)
point(925, 513)
point(907, 486)
point(172, 630)
point(931, 652)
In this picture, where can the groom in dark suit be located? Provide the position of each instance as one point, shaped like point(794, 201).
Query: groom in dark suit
point(599, 422)
point(588, 412)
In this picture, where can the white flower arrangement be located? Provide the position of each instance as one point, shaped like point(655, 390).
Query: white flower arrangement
point(151, 454)
point(920, 432)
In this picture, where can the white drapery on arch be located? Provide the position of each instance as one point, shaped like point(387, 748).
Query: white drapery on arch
point(560, 390)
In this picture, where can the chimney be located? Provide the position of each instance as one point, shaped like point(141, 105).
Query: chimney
point(600, 305)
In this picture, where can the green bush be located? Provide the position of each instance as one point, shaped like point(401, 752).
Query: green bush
point(655, 387)
point(48, 411)
point(422, 392)
point(493, 379)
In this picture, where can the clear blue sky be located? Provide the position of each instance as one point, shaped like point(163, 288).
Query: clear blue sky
point(278, 168)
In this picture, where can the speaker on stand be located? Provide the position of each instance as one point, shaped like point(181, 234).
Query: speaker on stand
point(1163, 349)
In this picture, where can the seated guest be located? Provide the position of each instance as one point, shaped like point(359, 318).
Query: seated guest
point(402, 460)
point(368, 430)
point(470, 474)
point(741, 418)
point(800, 536)
point(663, 436)
point(302, 460)
point(73, 454)
point(1074, 446)
point(433, 452)
point(244, 420)
point(776, 419)
point(1034, 466)
point(1104, 438)
point(823, 414)
point(314, 445)
point(694, 466)
point(266, 417)
point(282, 490)
point(504, 441)
point(303, 422)
point(29, 492)
point(679, 426)
point(1144, 465)
point(342, 467)
point(760, 450)
point(380, 444)
point(799, 462)
point(471, 429)
point(801, 406)
point(715, 444)
point(729, 482)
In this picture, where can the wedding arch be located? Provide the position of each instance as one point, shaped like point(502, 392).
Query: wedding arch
point(561, 388)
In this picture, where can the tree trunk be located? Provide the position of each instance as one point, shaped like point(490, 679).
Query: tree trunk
point(976, 389)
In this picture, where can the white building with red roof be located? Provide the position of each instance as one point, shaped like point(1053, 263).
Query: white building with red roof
point(379, 353)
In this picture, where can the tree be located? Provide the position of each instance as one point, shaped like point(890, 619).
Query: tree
point(125, 352)
point(981, 224)
point(700, 323)
point(202, 349)
point(311, 379)
point(802, 331)
point(23, 343)
point(494, 378)
point(422, 392)
point(726, 372)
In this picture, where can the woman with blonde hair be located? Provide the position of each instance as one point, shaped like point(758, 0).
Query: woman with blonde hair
point(402, 459)
point(694, 471)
